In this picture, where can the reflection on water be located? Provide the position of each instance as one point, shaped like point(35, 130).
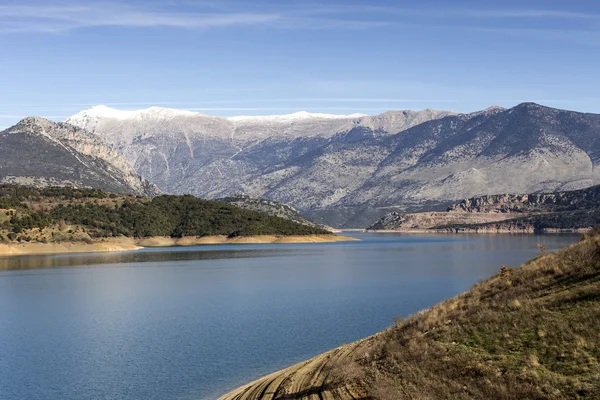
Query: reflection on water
point(193, 322)
point(213, 252)
point(127, 257)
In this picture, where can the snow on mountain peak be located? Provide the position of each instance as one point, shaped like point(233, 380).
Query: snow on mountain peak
point(102, 111)
point(99, 112)
point(90, 118)
point(300, 115)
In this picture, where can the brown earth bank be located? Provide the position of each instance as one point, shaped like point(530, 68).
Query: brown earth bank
point(525, 333)
point(100, 245)
point(259, 239)
point(125, 244)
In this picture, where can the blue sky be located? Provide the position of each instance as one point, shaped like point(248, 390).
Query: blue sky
point(274, 57)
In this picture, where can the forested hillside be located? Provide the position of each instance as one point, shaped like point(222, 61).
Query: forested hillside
point(58, 214)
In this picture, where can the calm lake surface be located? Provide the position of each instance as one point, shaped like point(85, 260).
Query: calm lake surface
point(192, 323)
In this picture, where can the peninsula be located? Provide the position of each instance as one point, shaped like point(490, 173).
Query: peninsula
point(64, 219)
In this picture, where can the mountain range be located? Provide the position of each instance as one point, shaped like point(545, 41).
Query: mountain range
point(341, 170)
point(349, 170)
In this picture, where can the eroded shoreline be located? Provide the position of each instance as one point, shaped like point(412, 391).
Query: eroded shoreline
point(128, 244)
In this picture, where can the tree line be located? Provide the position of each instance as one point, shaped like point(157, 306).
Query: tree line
point(165, 215)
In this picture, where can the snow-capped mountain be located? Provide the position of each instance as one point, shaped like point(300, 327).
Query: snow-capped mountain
point(339, 166)
point(90, 118)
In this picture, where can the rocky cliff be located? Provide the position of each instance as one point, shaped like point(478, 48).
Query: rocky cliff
point(588, 198)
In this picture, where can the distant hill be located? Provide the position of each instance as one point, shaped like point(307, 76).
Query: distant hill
point(535, 212)
point(351, 170)
point(39, 153)
point(57, 214)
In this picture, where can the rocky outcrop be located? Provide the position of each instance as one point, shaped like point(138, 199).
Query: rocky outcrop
point(272, 208)
point(502, 203)
point(38, 152)
point(588, 198)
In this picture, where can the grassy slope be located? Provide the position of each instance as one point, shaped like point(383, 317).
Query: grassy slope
point(526, 333)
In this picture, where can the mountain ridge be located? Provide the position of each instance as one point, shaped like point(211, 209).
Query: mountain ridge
point(363, 166)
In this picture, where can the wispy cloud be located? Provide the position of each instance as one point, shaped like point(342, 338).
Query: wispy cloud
point(545, 14)
point(514, 21)
point(231, 102)
point(64, 17)
point(440, 12)
point(14, 116)
point(60, 17)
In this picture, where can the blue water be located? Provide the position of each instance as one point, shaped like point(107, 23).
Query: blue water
point(192, 323)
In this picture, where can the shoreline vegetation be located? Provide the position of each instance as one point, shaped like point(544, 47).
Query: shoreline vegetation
point(57, 220)
point(129, 244)
point(525, 333)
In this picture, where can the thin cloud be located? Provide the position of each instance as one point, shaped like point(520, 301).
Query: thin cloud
point(9, 116)
point(545, 14)
point(57, 106)
point(458, 12)
point(62, 18)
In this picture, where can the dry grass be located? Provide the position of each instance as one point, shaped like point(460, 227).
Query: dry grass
point(527, 333)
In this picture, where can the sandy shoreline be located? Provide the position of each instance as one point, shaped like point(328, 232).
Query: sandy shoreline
point(127, 244)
